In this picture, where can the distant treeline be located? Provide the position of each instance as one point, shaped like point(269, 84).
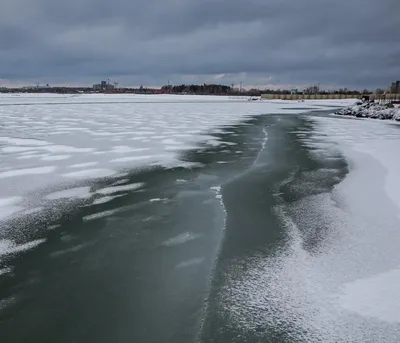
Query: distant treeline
point(204, 89)
point(198, 89)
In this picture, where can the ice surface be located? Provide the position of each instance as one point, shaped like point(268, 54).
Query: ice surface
point(9, 247)
point(56, 157)
point(83, 165)
point(115, 189)
point(158, 199)
point(190, 263)
point(344, 288)
point(376, 296)
point(73, 249)
point(81, 133)
point(106, 199)
point(23, 141)
point(5, 271)
point(100, 215)
point(80, 193)
point(181, 239)
point(27, 171)
point(90, 173)
point(10, 201)
point(377, 139)
point(9, 206)
point(8, 211)
point(33, 211)
point(132, 158)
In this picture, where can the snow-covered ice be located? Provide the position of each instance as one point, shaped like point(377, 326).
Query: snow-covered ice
point(376, 296)
point(80, 193)
point(106, 199)
point(83, 165)
point(9, 247)
point(346, 290)
point(27, 171)
point(90, 174)
point(124, 188)
point(100, 215)
point(9, 206)
point(47, 140)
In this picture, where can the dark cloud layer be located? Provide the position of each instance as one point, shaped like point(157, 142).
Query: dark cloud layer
point(354, 43)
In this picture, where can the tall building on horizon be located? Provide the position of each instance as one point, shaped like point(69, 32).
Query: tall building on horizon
point(395, 88)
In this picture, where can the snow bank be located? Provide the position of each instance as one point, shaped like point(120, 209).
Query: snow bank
point(370, 194)
point(371, 110)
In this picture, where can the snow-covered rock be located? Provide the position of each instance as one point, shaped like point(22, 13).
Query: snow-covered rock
point(371, 110)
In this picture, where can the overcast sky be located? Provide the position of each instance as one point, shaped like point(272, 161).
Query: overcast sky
point(353, 43)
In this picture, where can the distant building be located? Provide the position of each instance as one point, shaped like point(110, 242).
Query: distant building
point(312, 90)
point(103, 86)
point(395, 88)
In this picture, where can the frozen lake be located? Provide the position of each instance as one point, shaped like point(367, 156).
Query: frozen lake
point(121, 215)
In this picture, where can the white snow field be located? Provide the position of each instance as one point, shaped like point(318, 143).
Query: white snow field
point(372, 196)
point(52, 140)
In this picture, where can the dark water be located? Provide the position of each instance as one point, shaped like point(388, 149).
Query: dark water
point(154, 271)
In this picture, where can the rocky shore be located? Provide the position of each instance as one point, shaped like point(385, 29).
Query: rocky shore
point(371, 110)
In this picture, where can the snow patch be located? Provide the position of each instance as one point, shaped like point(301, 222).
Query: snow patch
point(131, 159)
point(77, 193)
point(115, 189)
point(55, 158)
point(83, 165)
point(8, 247)
point(99, 215)
point(376, 296)
point(106, 199)
point(27, 171)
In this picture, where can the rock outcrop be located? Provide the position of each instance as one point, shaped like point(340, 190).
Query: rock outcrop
point(371, 110)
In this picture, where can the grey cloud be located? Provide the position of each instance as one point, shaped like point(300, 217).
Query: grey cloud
point(351, 43)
